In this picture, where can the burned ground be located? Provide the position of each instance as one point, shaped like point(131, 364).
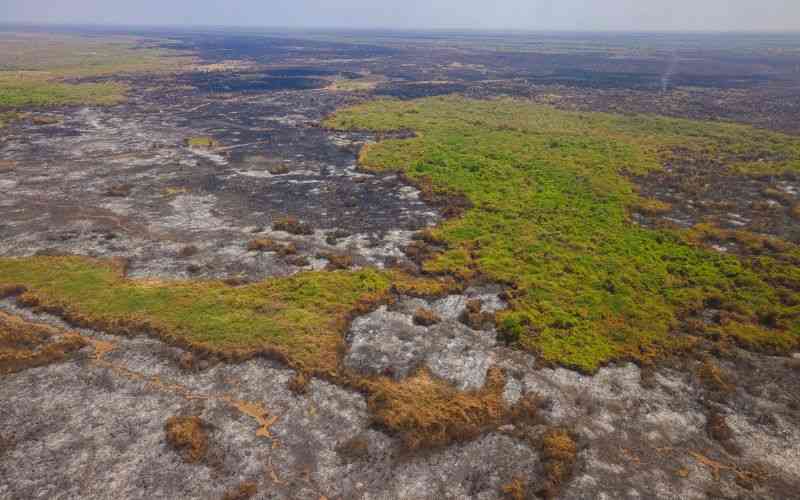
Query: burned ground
point(198, 163)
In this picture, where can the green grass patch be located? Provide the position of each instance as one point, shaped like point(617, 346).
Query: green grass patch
point(299, 318)
point(203, 142)
point(36, 69)
point(17, 92)
point(550, 200)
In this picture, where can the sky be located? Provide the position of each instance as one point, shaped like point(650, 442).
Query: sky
point(613, 15)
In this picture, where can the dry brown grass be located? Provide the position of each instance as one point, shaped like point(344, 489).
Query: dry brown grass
point(353, 449)
point(44, 120)
point(337, 261)
point(474, 317)
point(292, 225)
point(298, 383)
point(242, 492)
point(423, 287)
point(119, 191)
point(26, 345)
point(188, 436)
point(718, 428)
point(559, 452)
point(713, 377)
point(425, 317)
point(427, 412)
point(515, 490)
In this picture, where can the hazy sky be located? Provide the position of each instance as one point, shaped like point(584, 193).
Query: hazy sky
point(704, 15)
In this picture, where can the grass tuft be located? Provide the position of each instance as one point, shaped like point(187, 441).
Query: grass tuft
point(188, 436)
point(427, 412)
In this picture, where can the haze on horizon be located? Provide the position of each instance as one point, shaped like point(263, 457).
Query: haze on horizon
point(613, 15)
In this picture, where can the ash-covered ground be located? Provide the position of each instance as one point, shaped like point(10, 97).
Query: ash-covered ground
point(143, 181)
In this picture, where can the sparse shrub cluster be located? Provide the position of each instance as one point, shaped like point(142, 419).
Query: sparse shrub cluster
point(425, 317)
point(26, 345)
point(292, 225)
point(188, 435)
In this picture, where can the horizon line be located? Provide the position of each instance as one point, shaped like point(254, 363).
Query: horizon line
point(421, 29)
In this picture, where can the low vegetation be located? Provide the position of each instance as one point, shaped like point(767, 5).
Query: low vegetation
point(26, 89)
point(427, 412)
point(543, 200)
point(299, 319)
point(292, 225)
point(548, 198)
point(559, 453)
point(202, 142)
point(188, 436)
point(242, 492)
point(26, 345)
point(44, 70)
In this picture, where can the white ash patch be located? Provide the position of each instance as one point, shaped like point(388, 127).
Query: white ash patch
point(193, 212)
point(210, 155)
point(389, 343)
point(779, 449)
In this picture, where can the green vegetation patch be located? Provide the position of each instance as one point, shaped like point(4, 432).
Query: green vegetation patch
point(37, 69)
point(299, 318)
point(202, 142)
point(21, 91)
point(549, 198)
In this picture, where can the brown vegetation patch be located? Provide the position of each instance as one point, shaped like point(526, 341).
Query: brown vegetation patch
point(745, 477)
point(406, 283)
point(559, 452)
point(425, 317)
point(745, 241)
point(188, 436)
point(292, 225)
point(7, 166)
point(44, 120)
point(187, 251)
point(354, 449)
point(26, 345)
point(337, 261)
point(427, 412)
point(269, 245)
point(713, 377)
point(119, 191)
point(474, 317)
point(297, 260)
point(298, 383)
point(242, 492)
point(515, 490)
point(719, 430)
